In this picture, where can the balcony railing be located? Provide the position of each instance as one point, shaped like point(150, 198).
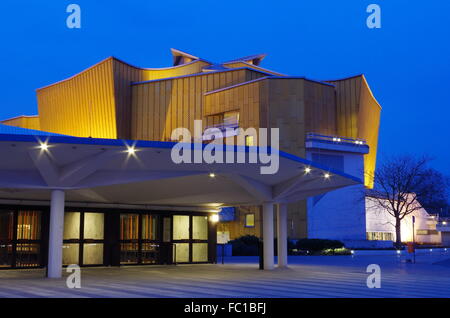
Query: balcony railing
point(335, 139)
point(443, 223)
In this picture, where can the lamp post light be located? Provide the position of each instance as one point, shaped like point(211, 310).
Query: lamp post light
point(414, 239)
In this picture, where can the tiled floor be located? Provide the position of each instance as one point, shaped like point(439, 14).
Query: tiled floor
point(312, 276)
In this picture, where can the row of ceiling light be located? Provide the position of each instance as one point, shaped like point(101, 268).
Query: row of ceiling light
point(326, 174)
point(357, 142)
point(131, 150)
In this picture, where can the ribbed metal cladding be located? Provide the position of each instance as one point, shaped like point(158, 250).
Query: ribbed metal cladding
point(358, 116)
point(158, 107)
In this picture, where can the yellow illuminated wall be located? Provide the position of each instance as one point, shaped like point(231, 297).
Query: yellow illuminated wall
point(299, 106)
point(97, 102)
point(244, 98)
point(83, 105)
point(161, 106)
point(294, 105)
point(358, 116)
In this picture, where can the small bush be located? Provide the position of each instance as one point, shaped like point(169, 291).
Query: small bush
point(248, 245)
point(316, 245)
point(290, 246)
point(336, 251)
point(245, 246)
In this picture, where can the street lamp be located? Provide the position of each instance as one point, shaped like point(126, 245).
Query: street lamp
point(414, 238)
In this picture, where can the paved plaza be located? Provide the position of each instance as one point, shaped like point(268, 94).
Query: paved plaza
point(307, 276)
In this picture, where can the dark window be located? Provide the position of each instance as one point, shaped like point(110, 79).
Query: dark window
point(6, 238)
point(6, 226)
point(427, 232)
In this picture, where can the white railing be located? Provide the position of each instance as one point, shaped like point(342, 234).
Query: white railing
point(335, 139)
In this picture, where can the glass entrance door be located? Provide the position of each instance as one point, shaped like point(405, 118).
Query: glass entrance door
point(84, 238)
point(140, 239)
point(129, 239)
point(150, 237)
point(190, 238)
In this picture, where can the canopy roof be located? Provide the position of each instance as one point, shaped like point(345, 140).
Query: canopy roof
point(104, 171)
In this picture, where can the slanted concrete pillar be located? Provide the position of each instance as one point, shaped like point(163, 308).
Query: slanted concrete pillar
point(282, 235)
point(55, 244)
point(268, 236)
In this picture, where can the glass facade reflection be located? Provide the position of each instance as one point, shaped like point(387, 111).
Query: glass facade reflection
point(190, 237)
point(71, 253)
point(20, 238)
point(140, 238)
point(6, 255)
point(129, 253)
point(103, 237)
point(84, 235)
point(28, 255)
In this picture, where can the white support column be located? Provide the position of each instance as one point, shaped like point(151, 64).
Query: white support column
point(55, 244)
point(282, 235)
point(268, 237)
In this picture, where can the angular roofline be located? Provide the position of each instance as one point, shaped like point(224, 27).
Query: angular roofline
point(200, 74)
point(236, 85)
point(345, 78)
point(121, 61)
point(17, 117)
point(305, 78)
point(259, 68)
point(365, 81)
point(370, 91)
point(265, 78)
point(15, 130)
point(247, 58)
point(160, 68)
point(176, 51)
point(75, 75)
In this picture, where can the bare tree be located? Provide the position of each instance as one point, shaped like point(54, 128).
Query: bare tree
point(401, 183)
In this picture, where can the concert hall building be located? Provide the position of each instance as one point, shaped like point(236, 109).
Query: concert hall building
point(90, 180)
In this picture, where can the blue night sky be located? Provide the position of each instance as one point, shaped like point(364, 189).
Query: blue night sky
point(406, 62)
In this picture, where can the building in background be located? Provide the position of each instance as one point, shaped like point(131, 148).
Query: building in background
point(381, 225)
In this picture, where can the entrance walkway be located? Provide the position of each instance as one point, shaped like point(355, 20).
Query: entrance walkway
point(313, 276)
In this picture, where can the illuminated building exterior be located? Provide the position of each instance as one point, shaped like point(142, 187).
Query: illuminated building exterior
point(325, 122)
point(380, 225)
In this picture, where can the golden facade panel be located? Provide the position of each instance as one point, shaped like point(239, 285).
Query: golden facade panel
point(358, 116)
